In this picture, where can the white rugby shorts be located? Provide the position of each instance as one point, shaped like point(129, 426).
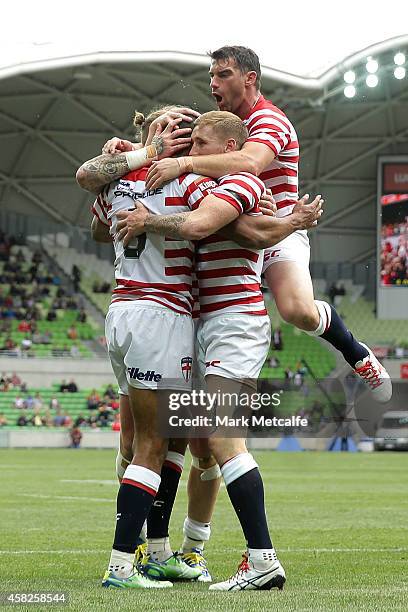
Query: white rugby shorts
point(150, 347)
point(233, 345)
point(295, 247)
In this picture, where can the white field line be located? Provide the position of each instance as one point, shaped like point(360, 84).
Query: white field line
point(283, 550)
point(67, 497)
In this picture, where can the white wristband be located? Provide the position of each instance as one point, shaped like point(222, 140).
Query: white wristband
point(137, 159)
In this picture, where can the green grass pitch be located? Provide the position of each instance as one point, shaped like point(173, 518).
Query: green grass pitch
point(338, 521)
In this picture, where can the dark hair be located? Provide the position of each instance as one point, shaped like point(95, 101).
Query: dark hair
point(246, 59)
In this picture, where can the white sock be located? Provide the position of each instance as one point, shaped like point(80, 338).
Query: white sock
point(121, 563)
point(324, 320)
point(262, 558)
point(159, 548)
point(195, 534)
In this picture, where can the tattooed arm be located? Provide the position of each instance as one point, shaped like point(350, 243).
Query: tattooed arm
point(212, 214)
point(95, 173)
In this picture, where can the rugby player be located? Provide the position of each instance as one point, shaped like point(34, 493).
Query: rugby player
point(272, 153)
point(234, 322)
point(201, 502)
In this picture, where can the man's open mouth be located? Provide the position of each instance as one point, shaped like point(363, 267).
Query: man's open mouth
point(217, 97)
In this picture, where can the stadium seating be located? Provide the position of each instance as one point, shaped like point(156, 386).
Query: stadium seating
point(72, 404)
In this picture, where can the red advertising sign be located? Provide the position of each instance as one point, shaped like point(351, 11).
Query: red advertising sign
point(404, 370)
point(395, 178)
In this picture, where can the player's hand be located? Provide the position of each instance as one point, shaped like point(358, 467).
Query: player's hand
point(162, 171)
point(305, 215)
point(182, 114)
point(267, 204)
point(131, 223)
point(172, 139)
point(117, 145)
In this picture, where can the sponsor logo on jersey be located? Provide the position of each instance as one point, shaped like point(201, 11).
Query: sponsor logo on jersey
point(270, 254)
point(124, 189)
point(186, 364)
point(149, 375)
point(212, 364)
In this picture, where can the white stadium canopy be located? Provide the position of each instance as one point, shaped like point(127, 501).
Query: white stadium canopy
point(71, 76)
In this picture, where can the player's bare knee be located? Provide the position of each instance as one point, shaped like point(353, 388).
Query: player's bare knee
point(301, 315)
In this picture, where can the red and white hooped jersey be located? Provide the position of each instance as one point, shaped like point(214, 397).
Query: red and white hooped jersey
point(153, 267)
point(268, 125)
point(229, 275)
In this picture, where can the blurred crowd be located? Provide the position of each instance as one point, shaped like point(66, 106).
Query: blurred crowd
point(394, 254)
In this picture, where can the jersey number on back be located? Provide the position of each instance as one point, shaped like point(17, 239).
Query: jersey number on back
point(134, 251)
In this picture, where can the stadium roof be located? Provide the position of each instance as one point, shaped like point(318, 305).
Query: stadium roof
point(60, 102)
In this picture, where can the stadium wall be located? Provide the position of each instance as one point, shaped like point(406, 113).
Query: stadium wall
point(29, 438)
point(87, 373)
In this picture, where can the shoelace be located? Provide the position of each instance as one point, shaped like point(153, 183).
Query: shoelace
point(195, 559)
point(242, 567)
point(369, 372)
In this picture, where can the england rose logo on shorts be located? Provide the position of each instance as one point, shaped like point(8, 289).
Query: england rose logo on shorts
point(186, 367)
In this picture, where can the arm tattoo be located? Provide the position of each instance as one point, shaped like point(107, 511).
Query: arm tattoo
point(166, 225)
point(157, 141)
point(101, 170)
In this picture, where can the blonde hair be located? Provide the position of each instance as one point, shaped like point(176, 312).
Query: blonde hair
point(225, 124)
point(143, 123)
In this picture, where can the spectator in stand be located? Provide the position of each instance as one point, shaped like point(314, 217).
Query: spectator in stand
point(93, 400)
point(54, 403)
point(24, 327)
point(37, 257)
point(36, 419)
point(51, 315)
point(47, 419)
point(22, 421)
point(3, 420)
point(274, 362)
point(288, 378)
point(110, 392)
point(38, 401)
point(29, 401)
point(63, 387)
point(80, 420)
point(277, 339)
point(67, 419)
point(74, 351)
point(72, 386)
point(10, 346)
point(116, 422)
point(23, 387)
point(104, 415)
point(81, 318)
point(19, 402)
point(15, 380)
point(297, 380)
point(76, 277)
point(26, 344)
point(58, 419)
point(20, 256)
point(72, 333)
point(76, 436)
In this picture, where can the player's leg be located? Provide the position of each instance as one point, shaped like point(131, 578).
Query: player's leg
point(126, 450)
point(160, 562)
point(260, 568)
point(141, 480)
point(202, 488)
point(137, 491)
point(287, 275)
point(127, 432)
